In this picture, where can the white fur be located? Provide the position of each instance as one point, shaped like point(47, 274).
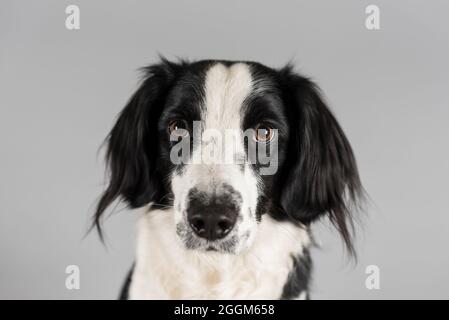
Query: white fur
point(302, 296)
point(165, 269)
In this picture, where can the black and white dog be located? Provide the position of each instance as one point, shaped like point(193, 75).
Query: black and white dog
point(228, 229)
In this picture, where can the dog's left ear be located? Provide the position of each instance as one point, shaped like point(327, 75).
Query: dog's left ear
point(323, 176)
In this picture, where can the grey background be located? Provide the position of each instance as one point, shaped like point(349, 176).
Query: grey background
point(61, 90)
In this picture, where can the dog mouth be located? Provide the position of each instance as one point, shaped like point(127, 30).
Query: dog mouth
point(191, 241)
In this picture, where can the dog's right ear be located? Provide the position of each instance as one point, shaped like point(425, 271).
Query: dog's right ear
point(132, 143)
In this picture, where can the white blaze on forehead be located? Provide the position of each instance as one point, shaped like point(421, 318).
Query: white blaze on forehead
point(226, 88)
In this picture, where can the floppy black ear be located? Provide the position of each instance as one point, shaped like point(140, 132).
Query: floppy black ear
point(323, 176)
point(132, 143)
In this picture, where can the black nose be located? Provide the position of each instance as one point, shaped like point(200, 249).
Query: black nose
point(212, 218)
point(212, 226)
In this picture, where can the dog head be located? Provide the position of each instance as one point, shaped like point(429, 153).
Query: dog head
point(220, 144)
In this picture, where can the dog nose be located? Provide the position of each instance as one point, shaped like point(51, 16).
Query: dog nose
point(213, 215)
point(212, 225)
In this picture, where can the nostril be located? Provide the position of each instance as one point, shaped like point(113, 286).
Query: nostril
point(197, 224)
point(224, 226)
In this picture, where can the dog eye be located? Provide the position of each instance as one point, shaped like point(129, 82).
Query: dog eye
point(178, 128)
point(263, 133)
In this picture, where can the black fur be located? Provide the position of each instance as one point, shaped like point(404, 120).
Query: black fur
point(320, 173)
point(299, 278)
point(137, 171)
point(124, 292)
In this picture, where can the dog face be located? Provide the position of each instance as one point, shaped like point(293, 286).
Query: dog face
point(221, 144)
point(217, 189)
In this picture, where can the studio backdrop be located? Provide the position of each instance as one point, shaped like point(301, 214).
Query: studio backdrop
point(67, 68)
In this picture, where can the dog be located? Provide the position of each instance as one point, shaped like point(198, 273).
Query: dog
point(228, 229)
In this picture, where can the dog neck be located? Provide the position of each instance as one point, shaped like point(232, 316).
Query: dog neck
point(165, 269)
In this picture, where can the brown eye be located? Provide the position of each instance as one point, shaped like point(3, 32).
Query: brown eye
point(263, 133)
point(178, 128)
